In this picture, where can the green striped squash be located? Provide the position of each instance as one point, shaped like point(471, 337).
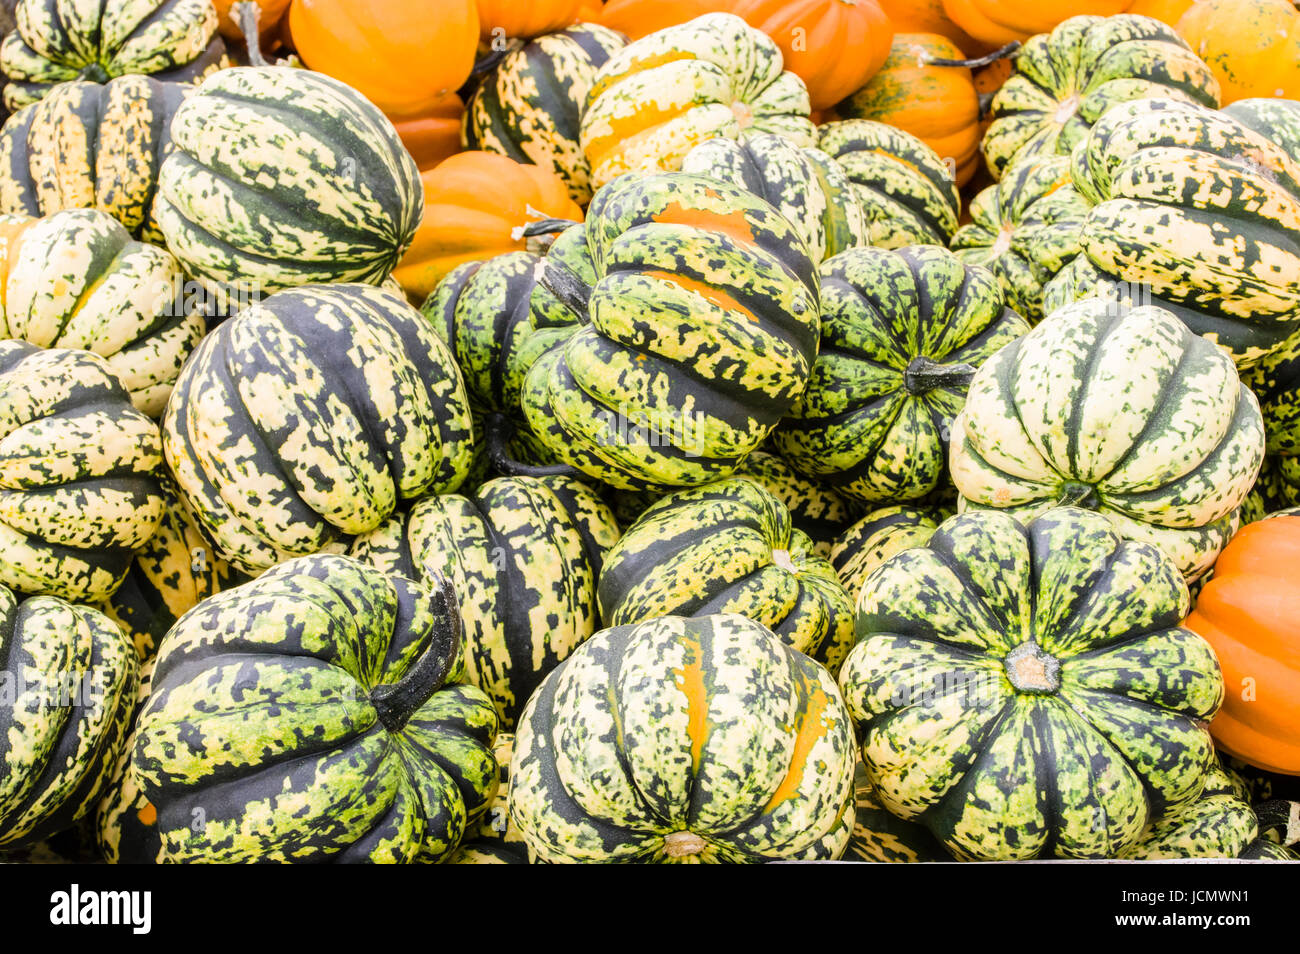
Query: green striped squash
point(878, 536)
point(703, 330)
point(902, 333)
point(78, 474)
point(883, 838)
point(908, 193)
point(529, 106)
point(90, 146)
point(816, 509)
point(1025, 229)
point(285, 177)
point(318, 713)
point(657, 98)
point(1276, 382)
point(728, 547)
point(495, 841)
point(1025, 691)
point(56, 41)
point(805, 185)
point(310, 418)
point(684, 741)
point(125, 823)
point(1121, 411)
point(1194, 212)
point(1277, 120)
point(1065, 80)
point(70, 679)
point(524, 554)
point(77, 280)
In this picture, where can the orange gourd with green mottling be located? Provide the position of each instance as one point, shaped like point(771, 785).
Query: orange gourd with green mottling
point(1252, 46)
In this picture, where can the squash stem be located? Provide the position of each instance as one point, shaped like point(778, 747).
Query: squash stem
point(543, 227)
point(499, 429)
point(396, 702)
point(247, 16)
point(924, 375)
point(1001, 53)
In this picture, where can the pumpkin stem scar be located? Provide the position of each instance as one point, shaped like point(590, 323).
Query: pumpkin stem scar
point(1029, 669)
point(782, 559)
point(94, 73)
point(1066, 110)
point(681, 844)
point(925, 374)
point(1077, 494)
point(396, 702)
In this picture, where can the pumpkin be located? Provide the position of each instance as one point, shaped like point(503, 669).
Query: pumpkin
point(284, 177)
point(495, 841)
point(125, 823)
point(908, 193)
point(1065, 80)
point(903, 331)
point(929, 16)
point(78, 280)
point(1027, 690)
point(815, 509)
point(728, 547)
point(1248, 613)
point(1166, 11)
point(919, 91)
point(524, 554)
point(703, 329)
point(310, 417)
point(877, 537)
point(528, 107)
point(332, 722)
point(684, 741)
point(70, 677)
point(397, 55)
point(1122, 411)
point(834, 46)
point(91, 146)
point(996, 22)
point(99, 40)
point(270, 17)
point(1164, 177)
point(1025, 228)
point(503, 19)
point(638, 18)
point(435, 134)
point(1277, 120)
point(881, 837)
point(1253, 46)
point(805, 185)
point(660, 96)
point(476, 205)
point(78, 470)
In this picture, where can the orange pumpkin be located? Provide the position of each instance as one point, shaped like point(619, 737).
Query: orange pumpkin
point(1250, 613)
point(997, 22)
point(434, 136)
point(1252, 46)
point(928, 16)
point(1166, 11)
point(637, 18)
point(834, 46)
point(268, 21)
point(937, 104)
point(507, 19)
point(475, 205)
point(402, 56)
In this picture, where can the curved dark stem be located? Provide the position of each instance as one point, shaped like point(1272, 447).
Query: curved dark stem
point(546, 227)
point(499, 430)
point(396, 702)
point(924, 375)
point(247, 16)
point(571, 290)
point(999, 54)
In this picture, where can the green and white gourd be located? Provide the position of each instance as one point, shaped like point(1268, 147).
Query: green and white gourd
point(883, 532)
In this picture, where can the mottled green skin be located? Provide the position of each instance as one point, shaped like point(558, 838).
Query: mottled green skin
point(55, 41)
point(815, 508)
point(495, 841)
point(261, 740)
point(1072, 765)
point(1025, 229)
point(124, 825)
point(1065, 80)
point(703, 330)
point(1276, 382)
point(877, 537)
point(863, 426)
point(1218, 824)
point(1277, 120)
point(77, 280)
point(78, 474)
point(281, 178)
point(684, 741)
point(728, 547)
point(91, 146)
point(908, 193)
point(310, 417)
point(807, 186)
point(529, 106)
point(881, 837)
point(69, 678)
point(1122, 411)
point(1195, 212)
point(524, 554)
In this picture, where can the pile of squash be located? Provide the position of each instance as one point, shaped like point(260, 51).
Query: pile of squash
point(706, 431)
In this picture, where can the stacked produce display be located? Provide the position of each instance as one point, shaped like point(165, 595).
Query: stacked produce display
point(722, 431)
